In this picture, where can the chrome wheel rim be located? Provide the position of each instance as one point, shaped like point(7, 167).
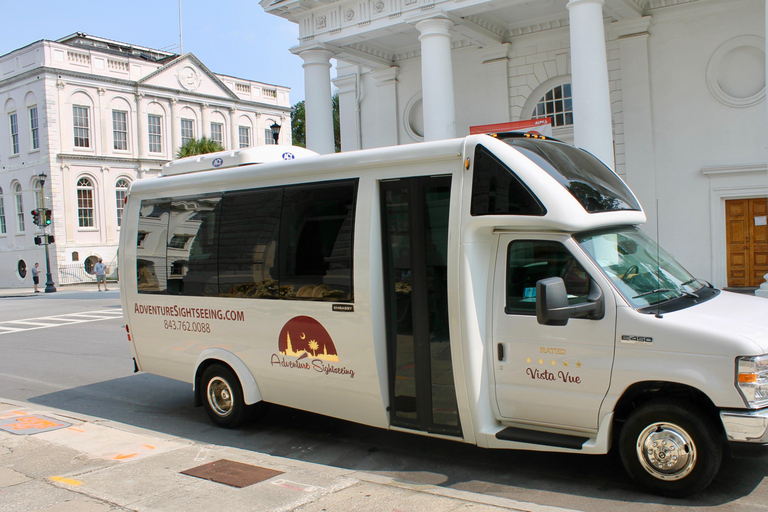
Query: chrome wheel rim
point(220, 396)
point(666, 451)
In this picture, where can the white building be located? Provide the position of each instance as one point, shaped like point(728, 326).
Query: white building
point(95, 115)
point(670, 93)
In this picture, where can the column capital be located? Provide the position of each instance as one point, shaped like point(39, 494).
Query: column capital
point(434, 26)
point(315, 54)
point(631, 27)
point(386, 76)
point(573, 3)
point(345, 83)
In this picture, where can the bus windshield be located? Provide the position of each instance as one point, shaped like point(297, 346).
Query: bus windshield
point(643, 272)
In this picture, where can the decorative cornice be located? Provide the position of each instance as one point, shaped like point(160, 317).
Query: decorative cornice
point(724, 170)
point(142, 88)
point(110, 159)
point(657, 4)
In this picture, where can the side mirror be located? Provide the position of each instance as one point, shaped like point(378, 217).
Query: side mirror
point(552, 306)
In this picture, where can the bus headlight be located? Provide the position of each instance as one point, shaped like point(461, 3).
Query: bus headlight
point(752, 380)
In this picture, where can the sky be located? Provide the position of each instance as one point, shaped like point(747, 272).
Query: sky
point(231, 37)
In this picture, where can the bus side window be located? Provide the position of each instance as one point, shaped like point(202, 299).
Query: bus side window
point(315, 252)
point(151, 276)
point(193, 246)
point(529, 261)
point(248, 234)
point(496, 190)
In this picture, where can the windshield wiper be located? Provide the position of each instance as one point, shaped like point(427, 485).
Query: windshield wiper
point(657, 290)
point(662, 290)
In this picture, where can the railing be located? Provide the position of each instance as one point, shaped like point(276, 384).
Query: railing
point(74, 273)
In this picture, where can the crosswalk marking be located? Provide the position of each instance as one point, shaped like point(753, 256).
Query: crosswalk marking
point(46, 322)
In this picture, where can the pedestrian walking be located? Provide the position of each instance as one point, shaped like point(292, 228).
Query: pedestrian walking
point(36, 276)
point(101, 274)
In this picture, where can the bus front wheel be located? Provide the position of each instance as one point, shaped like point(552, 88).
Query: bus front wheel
point(223, 397)
point(670, 448)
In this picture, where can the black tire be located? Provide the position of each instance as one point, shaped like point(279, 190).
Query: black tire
point(222, 397)
point(670, 448)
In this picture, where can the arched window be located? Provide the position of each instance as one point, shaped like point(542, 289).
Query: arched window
point(557, 104)
point(85, 202)
point(3, 229)
point(19, 207)
point(121, 191)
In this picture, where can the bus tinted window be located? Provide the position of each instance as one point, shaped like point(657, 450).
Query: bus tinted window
point(529, 261)
point(151, 246)
point(316, 240)
point(291, 242)
point(496, 190)
point(250, 225)
point(193, 246)
point(589, 180)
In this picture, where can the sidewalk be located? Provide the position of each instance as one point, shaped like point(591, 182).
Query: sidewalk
point(67, 288)
point(56, 461)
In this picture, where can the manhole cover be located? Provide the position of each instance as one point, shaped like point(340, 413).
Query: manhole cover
point(28, 425)
point(232, 473)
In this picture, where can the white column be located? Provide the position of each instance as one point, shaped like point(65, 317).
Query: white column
point(317, 100)
point(206, 121)
point(142, 122)
point(638, 123)
point(763, 290)
point(437, 78)
point(592, 129)
point(349, 109)
point(386, 99)
point(234, 128)
point(175, 127)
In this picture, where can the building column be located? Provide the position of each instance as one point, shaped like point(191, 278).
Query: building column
point(638, 121)
point(175, 126)
point(141, 115)
point(205, 130)
point(235, 132)
point(763, 290)
point(437, 78)
point(317, 100)
point(387, 107)
point(349, 110)
point(593, 129)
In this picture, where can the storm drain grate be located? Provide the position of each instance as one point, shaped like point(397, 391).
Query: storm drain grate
point(232, 473)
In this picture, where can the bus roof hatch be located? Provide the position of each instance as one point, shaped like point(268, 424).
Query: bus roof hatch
point(234, 158)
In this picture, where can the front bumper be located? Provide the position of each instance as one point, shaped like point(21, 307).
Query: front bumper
point(746, 426)
point(746, 432)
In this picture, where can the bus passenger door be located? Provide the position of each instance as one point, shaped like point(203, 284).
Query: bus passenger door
point(415, 215)
point(549, 375)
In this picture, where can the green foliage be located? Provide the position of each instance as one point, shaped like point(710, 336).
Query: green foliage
point(299, 124)
point(199, 147)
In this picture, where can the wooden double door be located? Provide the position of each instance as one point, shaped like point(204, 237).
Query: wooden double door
point(746, 232)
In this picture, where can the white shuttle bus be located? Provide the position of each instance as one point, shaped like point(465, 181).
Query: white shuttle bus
point(494, 290)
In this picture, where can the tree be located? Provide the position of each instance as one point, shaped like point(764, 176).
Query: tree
point(199, 147)
point(299, 124)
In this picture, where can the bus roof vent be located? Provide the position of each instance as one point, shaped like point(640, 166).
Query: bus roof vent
point(234, 158)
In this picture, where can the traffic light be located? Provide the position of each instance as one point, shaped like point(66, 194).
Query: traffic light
point(36, 220)
point(47, 217)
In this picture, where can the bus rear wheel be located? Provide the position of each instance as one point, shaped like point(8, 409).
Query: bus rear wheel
point(222, 397)
point(670, 448)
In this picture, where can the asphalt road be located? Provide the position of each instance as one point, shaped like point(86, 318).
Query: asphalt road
point(69, 350)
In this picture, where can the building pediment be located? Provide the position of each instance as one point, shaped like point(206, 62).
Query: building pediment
point(187, 73)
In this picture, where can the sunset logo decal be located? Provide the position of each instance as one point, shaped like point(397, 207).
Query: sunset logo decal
point(304, 344)
point(304, 336)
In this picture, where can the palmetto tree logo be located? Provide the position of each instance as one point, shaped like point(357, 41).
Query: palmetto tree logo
point(303, 336)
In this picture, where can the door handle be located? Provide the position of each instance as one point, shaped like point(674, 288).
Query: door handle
point(500, 350)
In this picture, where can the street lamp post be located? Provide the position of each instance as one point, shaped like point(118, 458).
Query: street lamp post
point(49, 287)
point(275, 131)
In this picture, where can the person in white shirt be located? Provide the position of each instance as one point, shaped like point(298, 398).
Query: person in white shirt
point(101, 274)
